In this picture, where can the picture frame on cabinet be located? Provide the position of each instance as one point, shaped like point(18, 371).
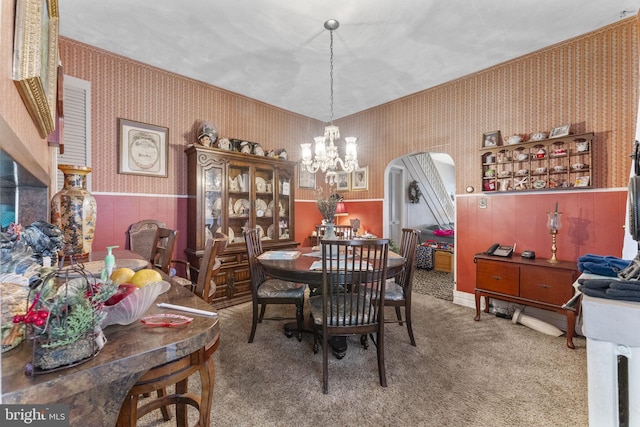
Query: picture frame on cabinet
point(35, 60)
point(144, 149)
point(582, 181)
point(360, 179)
point(306, 179)
point(559, 131)
point(491, 139)
point(342, 181)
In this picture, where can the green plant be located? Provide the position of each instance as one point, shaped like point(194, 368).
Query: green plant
point(61, 314)
point(393, 246)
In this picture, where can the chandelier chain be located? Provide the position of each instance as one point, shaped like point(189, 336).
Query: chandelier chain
point(331, 75)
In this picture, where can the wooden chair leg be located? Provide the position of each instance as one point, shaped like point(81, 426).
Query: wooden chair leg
point(398, 315)
point(262, 310)
point(380, 347)
point(407, 318)
point(254, 323)
point(166, 415)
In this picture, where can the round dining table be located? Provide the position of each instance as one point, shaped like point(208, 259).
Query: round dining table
point(298, 269)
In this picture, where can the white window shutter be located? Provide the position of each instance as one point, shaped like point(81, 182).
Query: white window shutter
point(77, 126)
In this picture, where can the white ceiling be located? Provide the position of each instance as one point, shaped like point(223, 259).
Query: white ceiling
point(277, 51)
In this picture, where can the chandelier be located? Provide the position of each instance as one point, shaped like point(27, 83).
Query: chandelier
point(326, 157)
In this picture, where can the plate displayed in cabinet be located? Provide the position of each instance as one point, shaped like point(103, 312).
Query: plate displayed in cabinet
point(270, 232)
point(540, 183)
point(217, 204)
point(230, 234)
point(281, 211)
point(261, 185)
point(240, 206)
point(261, 205)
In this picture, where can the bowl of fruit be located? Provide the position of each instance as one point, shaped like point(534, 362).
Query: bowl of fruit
point(133, 297)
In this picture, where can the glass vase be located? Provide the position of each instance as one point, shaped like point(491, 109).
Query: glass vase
point(329, 232)
point(74, 210)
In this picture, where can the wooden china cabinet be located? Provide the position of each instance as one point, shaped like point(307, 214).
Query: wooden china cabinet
point(230, 192)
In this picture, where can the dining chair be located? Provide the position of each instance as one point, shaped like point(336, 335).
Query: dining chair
point(353, 288)
point(205, 286)
point(342, 231)
point(164, 243)
point(266, 290)
point(398, 290)
point(142, 235)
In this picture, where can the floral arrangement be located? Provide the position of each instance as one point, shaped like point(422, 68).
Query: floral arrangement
point(60, 316)
point(327, 206)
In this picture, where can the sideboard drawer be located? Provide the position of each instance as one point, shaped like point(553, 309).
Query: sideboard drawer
point(497, 277)
point(546, 284)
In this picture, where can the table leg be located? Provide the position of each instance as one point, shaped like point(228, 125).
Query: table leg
point(338, 344)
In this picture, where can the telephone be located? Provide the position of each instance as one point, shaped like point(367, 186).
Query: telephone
point(498, 250)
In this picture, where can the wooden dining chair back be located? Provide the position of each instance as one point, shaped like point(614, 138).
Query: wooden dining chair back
point(142, 235)
point(353, 288)
point(398, 290)
point(164, 244)
point(341, 231)
point(205, 286)
point(266, 290)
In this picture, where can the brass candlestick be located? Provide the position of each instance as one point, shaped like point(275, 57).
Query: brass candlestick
point(554, 224)
point(554, 248)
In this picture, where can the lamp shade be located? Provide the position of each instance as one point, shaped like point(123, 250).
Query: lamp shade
point(341, 209)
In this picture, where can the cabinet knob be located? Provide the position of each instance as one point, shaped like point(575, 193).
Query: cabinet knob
point(542, 285)
point(496, 277)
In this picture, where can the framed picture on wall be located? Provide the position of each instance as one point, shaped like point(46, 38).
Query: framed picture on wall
point(35, 60)
point(360, 179)
point(342, 181)
point(306, 179)
point(144, 149)
point(491, 139)
point(559, 131)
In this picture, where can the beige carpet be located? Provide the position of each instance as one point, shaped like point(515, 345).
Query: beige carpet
point(462, 373)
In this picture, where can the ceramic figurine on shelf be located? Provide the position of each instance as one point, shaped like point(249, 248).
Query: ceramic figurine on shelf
point(224, 144)
point(207, 134)
point(257, 149)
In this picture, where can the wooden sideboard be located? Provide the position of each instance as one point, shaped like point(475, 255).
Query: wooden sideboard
point(536, 283)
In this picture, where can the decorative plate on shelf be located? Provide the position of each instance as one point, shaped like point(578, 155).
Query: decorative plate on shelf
point(261, 234)
point(240, 206)
point(230, 235)
point(261, 205)
point(217, 204)
point(270, 232)
point(540, 183)
point(261, 185)
point(281, 211)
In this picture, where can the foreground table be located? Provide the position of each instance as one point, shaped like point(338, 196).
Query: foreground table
point(96, 389)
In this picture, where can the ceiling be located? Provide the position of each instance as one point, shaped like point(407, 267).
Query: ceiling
point(277, 51)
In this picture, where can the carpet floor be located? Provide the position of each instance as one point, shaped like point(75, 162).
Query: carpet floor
point(462, 373)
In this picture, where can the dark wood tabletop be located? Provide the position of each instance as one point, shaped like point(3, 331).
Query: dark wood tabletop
point(297, 270)
point(96, 389)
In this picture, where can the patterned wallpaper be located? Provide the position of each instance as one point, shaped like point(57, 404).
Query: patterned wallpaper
point(590, 82)
point(122, 88)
